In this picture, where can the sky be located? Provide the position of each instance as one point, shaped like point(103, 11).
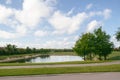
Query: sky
point(55, 23)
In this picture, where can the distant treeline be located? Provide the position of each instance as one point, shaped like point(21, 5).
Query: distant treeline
point(13, 50)
point(117, 49)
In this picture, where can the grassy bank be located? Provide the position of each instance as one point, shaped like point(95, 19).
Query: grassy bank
point(63, 53)
point(73, 62)
point(2, 57)
point(114, 56)
point(14, 58)
point(62, 70)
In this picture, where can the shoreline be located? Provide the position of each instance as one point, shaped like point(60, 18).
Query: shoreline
point(21, 58)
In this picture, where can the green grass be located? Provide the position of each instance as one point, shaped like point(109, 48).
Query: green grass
point(61, 70)
point(63, 53)
point(73, 62)
point(114, 56)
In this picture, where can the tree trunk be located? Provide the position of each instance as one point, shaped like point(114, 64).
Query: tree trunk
point(90, 56)
point(84, 58)
point(100, 58)
point(84, 55)
point(105, 57)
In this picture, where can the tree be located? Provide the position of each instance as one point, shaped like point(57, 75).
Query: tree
point(103, 46)
point(28, 50)
point(118, 34)
point(97, 43)
point(11, 49)
point(34, 50)
point(85, 45)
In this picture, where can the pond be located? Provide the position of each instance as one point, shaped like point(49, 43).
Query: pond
point(49, 59)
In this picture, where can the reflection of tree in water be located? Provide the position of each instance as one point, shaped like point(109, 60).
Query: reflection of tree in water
point(29, 59)
point(44, 56)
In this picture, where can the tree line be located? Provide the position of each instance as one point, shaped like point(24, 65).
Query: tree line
point(13, 50)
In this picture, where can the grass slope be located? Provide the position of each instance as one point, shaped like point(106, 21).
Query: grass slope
point(72, 62)
point(62, 70)
point(114, 56)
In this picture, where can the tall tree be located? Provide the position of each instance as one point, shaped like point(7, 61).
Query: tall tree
point(28, 50)
point(118, 34)
point(97, 43)
point(85, 45)
point(103, 46)
point(11, 49)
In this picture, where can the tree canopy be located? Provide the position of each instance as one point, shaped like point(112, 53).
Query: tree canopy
point(84, 46)
point(97, 43)
point(118, 34)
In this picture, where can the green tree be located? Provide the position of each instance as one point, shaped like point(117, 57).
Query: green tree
point(97, 43)
point(118, 34)
point(85, 45)
point(103, 46)
point(34, 50)
point(28, 50)
point(11, 49)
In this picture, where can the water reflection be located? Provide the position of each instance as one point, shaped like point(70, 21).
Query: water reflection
point(47, 59)
point(53, 59)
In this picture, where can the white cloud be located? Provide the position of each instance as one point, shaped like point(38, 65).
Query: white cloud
point(51, 2)
point(92, 25)
point(8, 1)
point(40, 33)
point(67, 24)
point(58, 32)
point(21, 30)
point(4, 43)
point(57, 43)
point(89, 6)
point(5, 14)
point(70, 12)
point(6, 35)
point(23, 22)
point(32, 13)
point(60, 44)
point(64, 23)
point(114, 40)
point(107, 13)
point(76, 37)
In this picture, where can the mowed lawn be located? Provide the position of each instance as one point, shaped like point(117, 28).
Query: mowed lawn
point(60, 70)
point(114, 56)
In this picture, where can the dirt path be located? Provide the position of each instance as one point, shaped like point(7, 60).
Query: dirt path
point(60, 65)
point(78, 76)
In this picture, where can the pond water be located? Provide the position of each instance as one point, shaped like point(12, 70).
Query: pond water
point(49, 59)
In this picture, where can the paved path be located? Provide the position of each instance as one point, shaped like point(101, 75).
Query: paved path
point(60, 65)
point(78, 76)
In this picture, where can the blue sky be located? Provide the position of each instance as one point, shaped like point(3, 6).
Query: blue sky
point(55, 23)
